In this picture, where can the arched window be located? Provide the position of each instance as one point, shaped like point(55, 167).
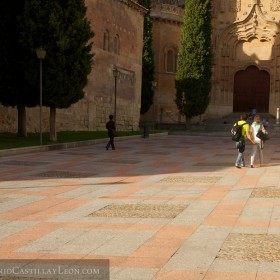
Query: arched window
point(106, 41)
point(171, 60)
point(117, 44)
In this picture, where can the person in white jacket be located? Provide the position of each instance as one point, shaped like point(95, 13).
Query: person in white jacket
point(258, 146)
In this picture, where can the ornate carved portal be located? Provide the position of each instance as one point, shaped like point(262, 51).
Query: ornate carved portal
point(275, 5)
point(251, 90)
point(246, 58)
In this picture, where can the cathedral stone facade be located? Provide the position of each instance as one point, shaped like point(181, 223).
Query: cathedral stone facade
point(246, 64)
point(246, 48)
point(246, 57)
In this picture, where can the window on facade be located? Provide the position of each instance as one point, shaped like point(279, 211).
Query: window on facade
point(106, 41)
point(171, 61)
point(117, 44)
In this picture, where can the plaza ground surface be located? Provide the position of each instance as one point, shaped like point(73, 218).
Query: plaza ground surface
point(165, 207)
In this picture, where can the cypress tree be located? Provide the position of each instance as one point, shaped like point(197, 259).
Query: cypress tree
point(193, 78)
point(147, 91)
point(61, 27)
point(14, 89)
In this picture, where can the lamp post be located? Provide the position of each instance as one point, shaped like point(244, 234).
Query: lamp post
point(154, 84)
point(41, 54)
point(116, 74)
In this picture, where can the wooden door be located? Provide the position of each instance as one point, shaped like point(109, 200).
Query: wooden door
point(251, 90)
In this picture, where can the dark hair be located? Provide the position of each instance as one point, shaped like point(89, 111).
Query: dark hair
point(244, 117)
point(111, 117)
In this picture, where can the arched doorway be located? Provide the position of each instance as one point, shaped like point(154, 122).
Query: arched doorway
point(251, 90)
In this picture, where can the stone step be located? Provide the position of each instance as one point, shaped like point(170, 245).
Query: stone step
point(211, 126)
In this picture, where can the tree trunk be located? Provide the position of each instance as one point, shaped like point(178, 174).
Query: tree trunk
point(188, 123)
point(52, 125)
point(21, 121)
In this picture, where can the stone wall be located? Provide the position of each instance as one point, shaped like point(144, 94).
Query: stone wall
point(167, 21)
point(245, 33)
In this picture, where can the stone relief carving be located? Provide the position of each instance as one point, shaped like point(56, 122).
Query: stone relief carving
point(235, 5)
point(125, 76)
point(275, 5)
point(172, 9)
point(222, 6)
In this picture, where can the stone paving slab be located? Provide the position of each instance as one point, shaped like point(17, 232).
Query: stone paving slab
point(167, 207)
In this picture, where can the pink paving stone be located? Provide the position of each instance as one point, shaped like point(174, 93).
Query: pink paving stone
point(263, 202)
point(210, 195)
point(250, 223)
point(54, 191)
point(163, 242)
point(114, 261)
point(127, 192)
point(268, 276)
point(162, 198)
point(229, 276)
point(32, 208)
point(145, 262)
point(166, 274)
point(56, 209)
point(275, 224)
point(24, 256)
point(249, 180)
point(225, 214)
point(90, 225)
point(221, 221)
point(173, 231)
point(12, 242)
point(155, 251)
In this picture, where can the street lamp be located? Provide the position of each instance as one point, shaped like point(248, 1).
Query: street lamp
point(154, 84)
point(116, 74)
point(41, 54)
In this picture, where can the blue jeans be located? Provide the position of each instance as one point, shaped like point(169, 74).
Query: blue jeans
point(240, 158)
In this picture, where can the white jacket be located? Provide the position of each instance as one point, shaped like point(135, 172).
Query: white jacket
point(254, 129)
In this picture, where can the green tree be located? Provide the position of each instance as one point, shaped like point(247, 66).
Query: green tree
point(14, 89)
point(147, 90)
point(193, 78)
point(61, 27)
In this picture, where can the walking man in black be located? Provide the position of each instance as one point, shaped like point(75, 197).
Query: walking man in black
point(111, 127)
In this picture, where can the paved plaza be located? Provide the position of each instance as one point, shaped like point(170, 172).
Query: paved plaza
point(163, 208)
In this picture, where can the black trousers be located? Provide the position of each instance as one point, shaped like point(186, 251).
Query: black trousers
point(111, 142)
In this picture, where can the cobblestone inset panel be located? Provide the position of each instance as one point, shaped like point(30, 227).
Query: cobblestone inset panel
point(24, 163)
point(268, 192)
point(120, 161)
point(190, 179)
point(251, 247)
point(63, 174)
point(165, 211)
